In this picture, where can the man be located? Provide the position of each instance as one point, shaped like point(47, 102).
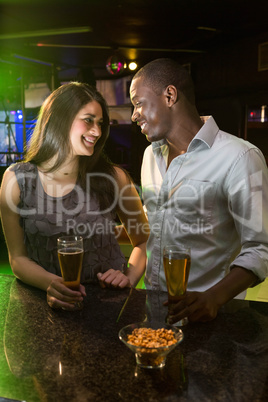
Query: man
point(201, 187)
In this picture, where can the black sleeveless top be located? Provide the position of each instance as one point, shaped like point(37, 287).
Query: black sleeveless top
point(45, 218)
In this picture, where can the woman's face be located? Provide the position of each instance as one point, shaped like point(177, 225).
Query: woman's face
point(86, 129)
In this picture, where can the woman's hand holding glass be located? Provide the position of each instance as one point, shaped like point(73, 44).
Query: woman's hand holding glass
point(60, 296)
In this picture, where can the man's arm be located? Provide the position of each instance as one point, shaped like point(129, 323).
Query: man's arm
point(247, 197)
point(204, 306)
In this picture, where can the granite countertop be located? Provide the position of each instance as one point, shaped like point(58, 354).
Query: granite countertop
point(55, 355)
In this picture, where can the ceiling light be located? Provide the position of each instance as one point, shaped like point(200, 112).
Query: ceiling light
point(138, 49)
point(115, 64)
point(132, 66)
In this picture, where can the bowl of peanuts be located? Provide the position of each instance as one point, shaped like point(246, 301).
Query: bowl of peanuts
point(151, 342)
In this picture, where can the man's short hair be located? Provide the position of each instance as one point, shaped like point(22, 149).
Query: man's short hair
point(160, 73)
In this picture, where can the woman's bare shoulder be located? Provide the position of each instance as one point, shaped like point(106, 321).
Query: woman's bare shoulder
point(122, 177)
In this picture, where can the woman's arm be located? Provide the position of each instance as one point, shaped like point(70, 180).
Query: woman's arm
point(22, 266)
point(135, 228)
point(131, 214)
point(121, 235)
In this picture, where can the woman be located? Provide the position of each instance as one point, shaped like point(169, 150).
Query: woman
point(66, 186)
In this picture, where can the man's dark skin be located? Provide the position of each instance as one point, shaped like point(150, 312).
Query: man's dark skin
point(163, 116)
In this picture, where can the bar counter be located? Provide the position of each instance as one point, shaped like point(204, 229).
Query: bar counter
point(56, 355)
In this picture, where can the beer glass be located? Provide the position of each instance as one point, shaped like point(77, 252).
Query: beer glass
point(70, 254)
point(177, 262)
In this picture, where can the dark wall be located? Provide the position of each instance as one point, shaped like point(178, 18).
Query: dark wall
point(125, 147)
point(228, 84)
point(231, 70)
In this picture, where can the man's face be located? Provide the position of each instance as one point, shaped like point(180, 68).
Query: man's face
point(150, 111)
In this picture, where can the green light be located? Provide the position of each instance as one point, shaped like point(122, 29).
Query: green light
point(46, 32)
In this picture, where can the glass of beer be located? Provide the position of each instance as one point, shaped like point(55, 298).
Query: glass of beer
point(70, 254)
point(177, 262)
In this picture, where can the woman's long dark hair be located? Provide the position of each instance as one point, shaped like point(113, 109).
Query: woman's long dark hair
point(51, 138)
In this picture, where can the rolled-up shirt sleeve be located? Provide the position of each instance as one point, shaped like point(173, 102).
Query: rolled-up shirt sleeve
point(247, 189)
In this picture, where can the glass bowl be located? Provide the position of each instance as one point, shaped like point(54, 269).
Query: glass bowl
point(152, 356)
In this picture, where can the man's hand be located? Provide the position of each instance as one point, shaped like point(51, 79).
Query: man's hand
point(204, 306)
point(197, 306)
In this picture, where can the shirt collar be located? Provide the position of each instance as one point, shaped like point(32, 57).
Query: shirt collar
point(206, 134)
point(160, 147)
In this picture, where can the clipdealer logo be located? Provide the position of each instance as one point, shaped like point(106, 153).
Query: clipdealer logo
point(84, 200)
point(245, 203)
point(253, 209)
point(254, 220)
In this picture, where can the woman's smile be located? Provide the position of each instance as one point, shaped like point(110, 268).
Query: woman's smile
point(87, 126)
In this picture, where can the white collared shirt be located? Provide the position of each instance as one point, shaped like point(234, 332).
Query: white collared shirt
point(214, 198)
